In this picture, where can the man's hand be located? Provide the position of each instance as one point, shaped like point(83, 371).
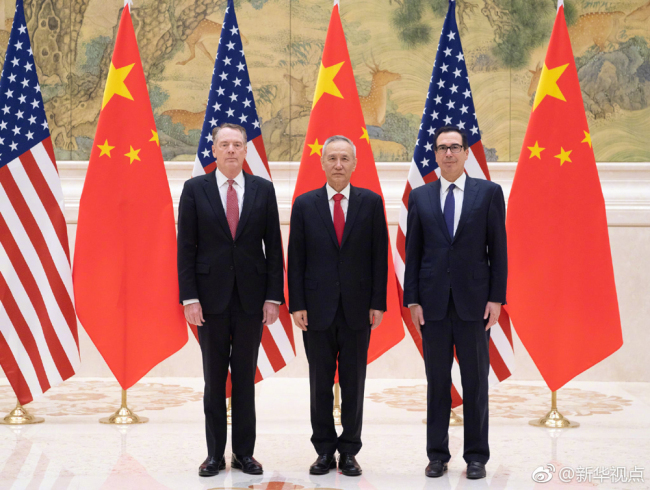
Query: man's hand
point(375, 318)
point(417, 317)
point(492, 310)
point(194, 314)
point(271, 312)
point(300, 318)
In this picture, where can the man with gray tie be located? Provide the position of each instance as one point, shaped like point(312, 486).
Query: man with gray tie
point(454, 285)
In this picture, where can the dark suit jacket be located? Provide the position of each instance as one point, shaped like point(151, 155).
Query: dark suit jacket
point(320, 273)
point(474, 265)
point(209, 259)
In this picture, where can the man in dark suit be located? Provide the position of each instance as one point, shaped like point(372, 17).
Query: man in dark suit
point(231, 280)
point(454, 285)
point(337, 274)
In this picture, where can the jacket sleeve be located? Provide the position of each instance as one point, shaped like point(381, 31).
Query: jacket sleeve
point(273, 250)
point(413, 249)
point(297, 259)
point(379, 257)
point(497, 247)
point(187, 244)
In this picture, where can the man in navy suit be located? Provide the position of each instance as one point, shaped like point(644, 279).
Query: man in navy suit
point(231, 281)
point(454, 285)
point(337, 274)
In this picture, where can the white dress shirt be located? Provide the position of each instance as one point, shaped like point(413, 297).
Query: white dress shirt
point(239, 186)
point(344, 202)
point(459, 192)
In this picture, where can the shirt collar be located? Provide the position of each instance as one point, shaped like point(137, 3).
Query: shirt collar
point(222, 179)
point(331, 192)
point(460, 183)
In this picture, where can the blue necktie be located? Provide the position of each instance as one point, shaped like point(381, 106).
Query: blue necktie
point(450, 208)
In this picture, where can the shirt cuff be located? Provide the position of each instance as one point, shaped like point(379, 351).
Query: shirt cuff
point(272, 301)
point(190, 301)
point(414, 304)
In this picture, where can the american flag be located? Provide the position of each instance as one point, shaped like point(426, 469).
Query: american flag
point(39, 346)
point(231, 101)
point(449, 103)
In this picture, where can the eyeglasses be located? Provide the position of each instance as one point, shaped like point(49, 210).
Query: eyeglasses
point(442, 149)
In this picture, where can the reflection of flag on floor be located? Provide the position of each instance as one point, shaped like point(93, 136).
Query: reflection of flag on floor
point(129, 474)
point(125, 276)
point(231, 101)
point(337, 110)
point(39, 346)
point(561, 290)
point(449, 103)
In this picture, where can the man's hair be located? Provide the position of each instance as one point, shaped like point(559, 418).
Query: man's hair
point(239, 128)
point(338, 137)
point(450, 129)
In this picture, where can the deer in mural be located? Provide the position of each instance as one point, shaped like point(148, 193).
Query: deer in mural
point(534, 81)
point(205, 29)
point(373, 105)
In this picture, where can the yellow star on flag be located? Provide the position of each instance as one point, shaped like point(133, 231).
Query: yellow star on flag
point(587, 138)
point(365, 135)
point(564, 156)
point(115, 83)
point(315, 148)
point(154, 137)
point(548, 84)
point(325, 83)
point(105, 149)
point(536, 151)
point(133, 154)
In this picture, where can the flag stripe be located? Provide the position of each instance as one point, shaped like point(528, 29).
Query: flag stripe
point(15, 359)
point(30, 285)
point(270, 350)
point(47, 273)
point(16, 319)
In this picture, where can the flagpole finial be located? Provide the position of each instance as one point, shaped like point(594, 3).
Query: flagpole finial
point(129, 3)
point(336, 2)
point(560, 3)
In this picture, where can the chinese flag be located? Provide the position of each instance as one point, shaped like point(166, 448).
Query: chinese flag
point(337, 110)
point(561, 292)
point(124, 274)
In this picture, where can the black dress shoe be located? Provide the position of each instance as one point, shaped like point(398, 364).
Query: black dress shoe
point(435, 469)
point(323, 464)
point(348, 465)
point(248, 464)
point(475, 470)
point(212, 465)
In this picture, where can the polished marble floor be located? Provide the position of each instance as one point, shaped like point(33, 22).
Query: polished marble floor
point(71, 450)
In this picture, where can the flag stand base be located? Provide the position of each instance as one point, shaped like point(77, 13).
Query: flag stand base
point(20, 416)
point(455, 420)
point(124, 415)
point(337, 404)
point(554, 419)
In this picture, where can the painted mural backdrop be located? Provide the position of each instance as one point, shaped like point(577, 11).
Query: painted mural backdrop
point(392, 46)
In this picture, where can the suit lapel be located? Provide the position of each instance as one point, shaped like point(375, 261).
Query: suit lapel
point(250, 189)
point(353, 210)
point(469, 197)
point(214, 198)
point(434, 196)
point(323, 207)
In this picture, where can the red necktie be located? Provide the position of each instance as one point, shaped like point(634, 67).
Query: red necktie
point(339, 217)
point(232, 208)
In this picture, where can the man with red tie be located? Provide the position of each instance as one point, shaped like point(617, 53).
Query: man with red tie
point(231, 280)
point(337, 275)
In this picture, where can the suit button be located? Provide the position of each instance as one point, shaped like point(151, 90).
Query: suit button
point(231, 267)
point(338, 283)
point(234, 245)
point(447, 271)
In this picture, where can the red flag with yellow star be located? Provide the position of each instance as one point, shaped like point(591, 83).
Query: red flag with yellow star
point(124, 273)
point(336, 110)
point(561, 293)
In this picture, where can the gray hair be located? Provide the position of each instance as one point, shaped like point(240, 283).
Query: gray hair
point(338, 137)
point(239, 128)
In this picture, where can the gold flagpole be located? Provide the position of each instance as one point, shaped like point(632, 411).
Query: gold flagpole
point(337, 404)
point(124, 415)
point(554, 419)
point(20, 416)
point(229, 412)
